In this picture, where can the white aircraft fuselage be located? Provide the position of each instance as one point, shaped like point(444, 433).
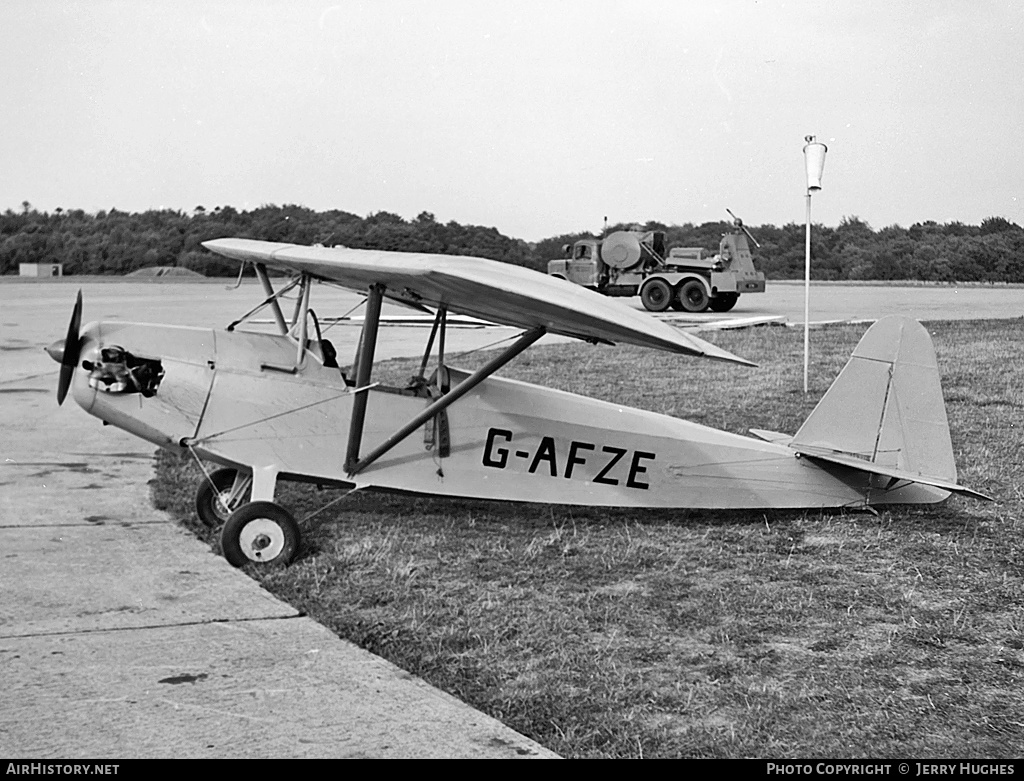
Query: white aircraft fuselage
point(229, 396)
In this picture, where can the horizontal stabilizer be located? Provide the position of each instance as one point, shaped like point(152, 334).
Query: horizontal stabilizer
point(896, 474)
point(771, 436)
point(499, 293)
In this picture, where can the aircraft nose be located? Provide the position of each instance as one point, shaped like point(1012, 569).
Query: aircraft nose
point(56, 350)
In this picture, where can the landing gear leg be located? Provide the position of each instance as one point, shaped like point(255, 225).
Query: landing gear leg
point(262, 531)
point(220, 494)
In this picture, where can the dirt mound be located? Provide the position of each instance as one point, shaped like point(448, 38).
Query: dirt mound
point(163, 271)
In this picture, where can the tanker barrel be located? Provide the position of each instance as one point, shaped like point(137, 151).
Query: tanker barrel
point(621, 250)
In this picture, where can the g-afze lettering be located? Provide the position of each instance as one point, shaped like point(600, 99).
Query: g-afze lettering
point(490, 451)
point(577, 460)
point(575, 457)
point(602, 476)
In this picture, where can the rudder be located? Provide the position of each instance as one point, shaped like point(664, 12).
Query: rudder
point(886, 406)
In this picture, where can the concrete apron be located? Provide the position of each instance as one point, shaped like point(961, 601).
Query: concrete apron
point(123, 636)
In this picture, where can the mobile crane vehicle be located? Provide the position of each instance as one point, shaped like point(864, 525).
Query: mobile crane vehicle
point(634, 262)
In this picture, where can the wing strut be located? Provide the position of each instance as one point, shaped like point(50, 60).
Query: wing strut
point(364, 368)
point(270, 300)
point(302, 317)
point(439, 320)
point(441, 404)
point(261, 272)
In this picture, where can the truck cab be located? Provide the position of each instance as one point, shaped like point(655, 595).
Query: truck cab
point(581, 263)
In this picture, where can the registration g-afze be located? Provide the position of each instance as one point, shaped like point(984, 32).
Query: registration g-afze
point(268, 407)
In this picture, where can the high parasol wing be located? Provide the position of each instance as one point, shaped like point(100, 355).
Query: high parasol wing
point(500, 293)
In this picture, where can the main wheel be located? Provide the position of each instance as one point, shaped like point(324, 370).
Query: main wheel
point(723, 302)
point(213, 497)
point(656, 295)
point(261, 532)
point(693, 296)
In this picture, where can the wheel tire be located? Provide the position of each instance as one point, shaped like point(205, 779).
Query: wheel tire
point(261, 533)
point(208, 508)
point(656, 295)
point(723, 302)
point(693, 296)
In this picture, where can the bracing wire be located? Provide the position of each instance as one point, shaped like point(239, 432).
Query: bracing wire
point(333, 501)
point(208, 437)
point(336, 320)
point(492, 344)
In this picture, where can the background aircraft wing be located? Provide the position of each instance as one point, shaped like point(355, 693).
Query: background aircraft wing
point(500, 293)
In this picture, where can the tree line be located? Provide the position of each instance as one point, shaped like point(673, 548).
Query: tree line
point(117, 242)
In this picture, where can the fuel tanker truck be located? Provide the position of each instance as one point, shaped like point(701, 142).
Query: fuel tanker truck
point(634, 262)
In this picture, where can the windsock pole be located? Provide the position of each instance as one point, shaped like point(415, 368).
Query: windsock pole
point(807, 292)
point(814, 160)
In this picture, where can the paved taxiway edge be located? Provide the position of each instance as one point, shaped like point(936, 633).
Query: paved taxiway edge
point(122, 636)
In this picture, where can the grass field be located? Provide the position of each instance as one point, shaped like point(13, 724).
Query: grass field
point(702, 634)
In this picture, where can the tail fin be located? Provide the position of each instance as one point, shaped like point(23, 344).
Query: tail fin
point(885, 413)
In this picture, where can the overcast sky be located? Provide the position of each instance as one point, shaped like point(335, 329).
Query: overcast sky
point(537, 118)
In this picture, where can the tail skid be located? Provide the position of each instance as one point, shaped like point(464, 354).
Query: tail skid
point(885, 414)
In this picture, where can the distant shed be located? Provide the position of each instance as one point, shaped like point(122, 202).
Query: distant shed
point(41, 269)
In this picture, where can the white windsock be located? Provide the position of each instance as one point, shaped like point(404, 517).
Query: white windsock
point(814, 157)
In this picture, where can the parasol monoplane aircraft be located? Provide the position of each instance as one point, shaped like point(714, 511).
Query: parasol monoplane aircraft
point(270, 407)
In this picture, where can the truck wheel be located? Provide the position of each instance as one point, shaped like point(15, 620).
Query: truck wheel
point(693, 296)
point(723, 302)
point(656, 295)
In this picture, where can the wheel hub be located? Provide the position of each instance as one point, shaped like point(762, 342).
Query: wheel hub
point(261, 540)
point(224, 504)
